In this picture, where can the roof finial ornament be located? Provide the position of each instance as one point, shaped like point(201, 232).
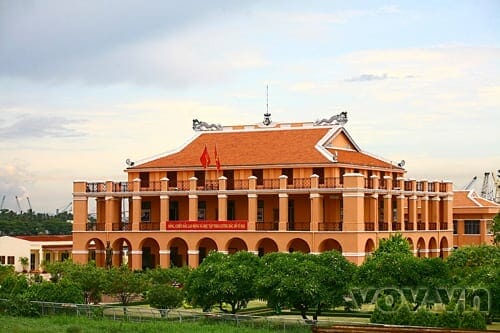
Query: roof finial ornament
point(338, 119)
point(267, 116)
point(204, 126)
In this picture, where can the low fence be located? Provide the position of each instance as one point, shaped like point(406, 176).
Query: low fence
point(143, 313)
point(378, 328)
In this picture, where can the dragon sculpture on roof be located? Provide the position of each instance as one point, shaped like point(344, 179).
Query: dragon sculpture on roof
point(338, 119)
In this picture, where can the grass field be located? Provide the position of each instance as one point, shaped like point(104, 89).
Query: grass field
point(71, 324)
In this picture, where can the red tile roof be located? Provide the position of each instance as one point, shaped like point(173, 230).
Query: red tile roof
point(248, 148)
point(267, 147)
point(466, 198)
point(360, 159)
point(47, 238)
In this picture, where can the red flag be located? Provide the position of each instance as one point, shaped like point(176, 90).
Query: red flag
point(205, 158)
point(217, 161)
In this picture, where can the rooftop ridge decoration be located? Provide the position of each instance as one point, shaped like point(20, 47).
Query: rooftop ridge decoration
point(204, 126)
point(338, 119)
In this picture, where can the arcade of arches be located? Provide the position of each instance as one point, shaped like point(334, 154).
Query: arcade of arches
point(179, 250)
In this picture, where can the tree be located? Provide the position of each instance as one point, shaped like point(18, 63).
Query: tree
point(64, 291)
point(174, 276)
point(393, 265)
point(88, 277)
point(305, 281)
point(496, 230)
point(224, 279)
point(124, 284)
point(164, 297)
point(478, 267)
point(396, 243)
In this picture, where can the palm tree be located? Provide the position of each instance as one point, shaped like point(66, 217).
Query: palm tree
point(25, 262)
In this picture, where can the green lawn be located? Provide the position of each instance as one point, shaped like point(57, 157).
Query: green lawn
point(70, 324)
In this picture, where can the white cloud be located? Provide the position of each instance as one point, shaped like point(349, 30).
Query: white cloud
point(122, 41)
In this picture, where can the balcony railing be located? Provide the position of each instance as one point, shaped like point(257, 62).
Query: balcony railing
point(95, 227)
point(333, 182)
point(443, 226)
point(241, 184)
point(432, 226)
point(330, 226)
point(210, 185)
point(396, 226)
point(271, 183)
point(299, 226)
point(96, 187)
point(430, 187)
point(122, 227)
point(420, 226)
point(300, 183)
point(368, 183)
point(145, 226)
point(420, 186)
point(151, 186)
point(408, 226)
point(383, 226)
point(407, 185)
point(266, 226)
point(369, 226)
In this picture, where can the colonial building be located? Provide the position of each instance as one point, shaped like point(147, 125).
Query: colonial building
point(261, 188)
point(472, 218)
point(39, 250)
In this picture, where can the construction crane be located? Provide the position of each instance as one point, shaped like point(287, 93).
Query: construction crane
point(65, 209)
point(491, 191)
point(18, 205)
point(496, 179)
point(29, 204)
point(470, 184)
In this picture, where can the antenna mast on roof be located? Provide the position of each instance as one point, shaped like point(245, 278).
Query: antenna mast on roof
point(267, 115)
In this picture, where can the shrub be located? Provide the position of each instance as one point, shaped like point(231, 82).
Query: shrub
point(473, 320)
point(449, 319)
point(164, 297)
point(20, 305)
point(403, 314)
point(424, 317)
point(61, 292)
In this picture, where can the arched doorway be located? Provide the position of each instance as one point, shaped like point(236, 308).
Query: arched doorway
point(266, 245)
point(432, 248)
point(96, 252)
point(421, 247)
point(121, 252)
point(298, 244)
point(443, 248)
point(178, 252)
point(369, 247)
point(205, 245)
point(236, 244)
point(329, 245)
point(150, 253)
point(412, 247)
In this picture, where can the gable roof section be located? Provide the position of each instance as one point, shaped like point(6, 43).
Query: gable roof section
point(357, 158)
point(248, 148)
point(469, 198)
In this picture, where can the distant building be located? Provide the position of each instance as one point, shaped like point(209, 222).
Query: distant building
point(264, 188)
point(472, 218)
point(38, 249)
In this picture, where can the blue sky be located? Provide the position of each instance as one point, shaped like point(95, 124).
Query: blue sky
point(85, 85)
